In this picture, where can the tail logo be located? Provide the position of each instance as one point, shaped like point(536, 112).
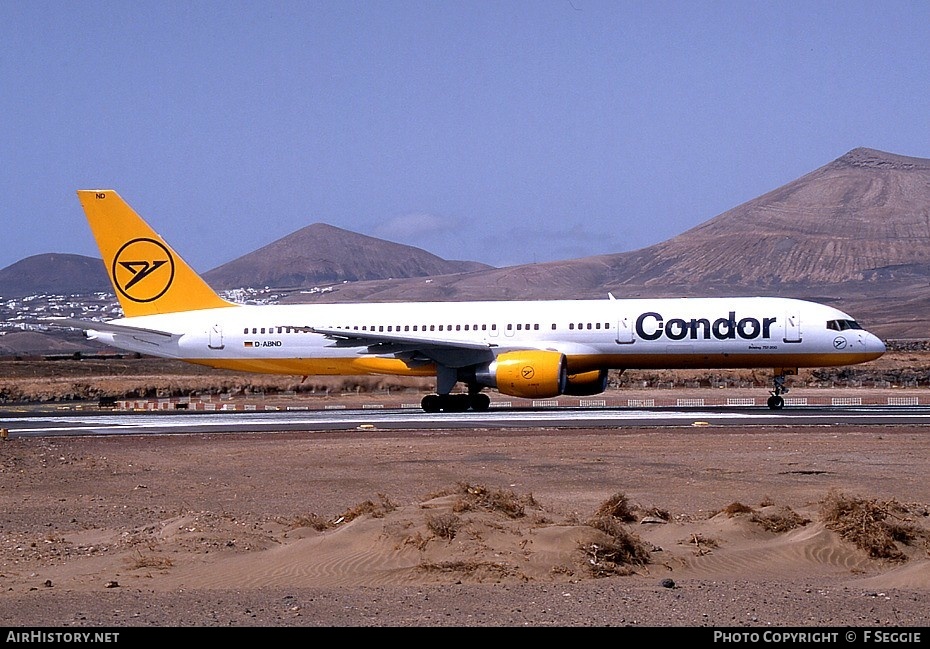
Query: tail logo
point(143, 270)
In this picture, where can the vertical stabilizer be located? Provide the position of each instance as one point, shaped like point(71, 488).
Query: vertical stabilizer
point(147, 274)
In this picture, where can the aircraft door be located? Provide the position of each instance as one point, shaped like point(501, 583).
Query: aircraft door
point(792, 327)
point(215, 337)
point(624, 331)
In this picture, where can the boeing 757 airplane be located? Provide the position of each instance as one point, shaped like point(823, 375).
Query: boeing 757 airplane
point(531, 349)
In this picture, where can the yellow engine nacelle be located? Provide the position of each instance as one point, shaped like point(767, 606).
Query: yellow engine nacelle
point(586, 383)
point(530, 374)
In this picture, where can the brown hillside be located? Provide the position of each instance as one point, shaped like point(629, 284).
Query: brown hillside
point(323, 254)
point(854, 233)
point(862, 215)
point(62, 274)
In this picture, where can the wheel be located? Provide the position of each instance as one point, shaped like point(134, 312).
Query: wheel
point(456, 403)
point(431, 403)
point(480, 402)
point(776, 402)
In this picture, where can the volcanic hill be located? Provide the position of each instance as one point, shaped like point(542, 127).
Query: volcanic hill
point(324, 254)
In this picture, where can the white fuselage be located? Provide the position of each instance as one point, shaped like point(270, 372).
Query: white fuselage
point(592, 334)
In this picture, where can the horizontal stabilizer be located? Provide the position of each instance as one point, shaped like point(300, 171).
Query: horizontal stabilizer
point(106, 327)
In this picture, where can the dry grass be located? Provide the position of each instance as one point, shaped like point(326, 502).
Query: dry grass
point(616, 507)
point(784, 519)
point(367, 507)
point(479, 497)
point(312, 521)
point(622, 551)
point(150, 561)
point(443, 525)
point(736, 508)
point(370, 508)
point(875, 527)
point(474, 569)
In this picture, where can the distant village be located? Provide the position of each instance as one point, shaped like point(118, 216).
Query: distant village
point(27, 313)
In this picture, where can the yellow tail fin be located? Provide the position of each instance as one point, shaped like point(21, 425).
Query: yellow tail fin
point(148, 276)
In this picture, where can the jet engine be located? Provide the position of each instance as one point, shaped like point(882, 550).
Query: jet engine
point(586, 383)
point(529, 374)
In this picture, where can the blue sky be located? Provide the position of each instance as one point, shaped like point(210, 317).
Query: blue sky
point(504, 132)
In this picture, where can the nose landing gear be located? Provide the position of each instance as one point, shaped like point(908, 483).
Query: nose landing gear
point(776, 401)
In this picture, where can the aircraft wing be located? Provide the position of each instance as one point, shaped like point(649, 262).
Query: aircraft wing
point(413, 349)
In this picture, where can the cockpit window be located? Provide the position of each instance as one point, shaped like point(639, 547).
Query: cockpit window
point(843, 325)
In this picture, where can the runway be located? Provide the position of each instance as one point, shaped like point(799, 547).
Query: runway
point(25, 424)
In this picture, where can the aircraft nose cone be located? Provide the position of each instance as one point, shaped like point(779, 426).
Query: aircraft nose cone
point(874, 345)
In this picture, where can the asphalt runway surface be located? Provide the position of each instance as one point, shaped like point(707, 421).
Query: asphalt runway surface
point(43, 424)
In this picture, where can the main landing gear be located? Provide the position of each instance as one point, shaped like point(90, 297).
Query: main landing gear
point(776, 401)
point(445, 401)
point(455, 402)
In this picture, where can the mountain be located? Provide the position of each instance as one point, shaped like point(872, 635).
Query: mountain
point(854, 233)
point(324, 254)
point(864, 215)
point(60, 274)
point(317, 254)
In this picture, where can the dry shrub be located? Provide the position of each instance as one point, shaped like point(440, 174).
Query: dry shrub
point(784, 519)
point(149, 561)
point(703, 544)
point(735, 508)
point(312, 521)
point(472, 497)
point(443, 525)
point(617, 507)
point(623, 551)
point(620, 554)
point(869, 525)
point(657, 513)
point(470, 568)
point(375, 510)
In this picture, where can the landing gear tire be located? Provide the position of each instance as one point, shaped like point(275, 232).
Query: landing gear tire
point(480, 402)
point(455, 402)
point(776, 401)
point(431, 403)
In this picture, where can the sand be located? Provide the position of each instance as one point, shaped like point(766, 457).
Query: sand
point(725, 527)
